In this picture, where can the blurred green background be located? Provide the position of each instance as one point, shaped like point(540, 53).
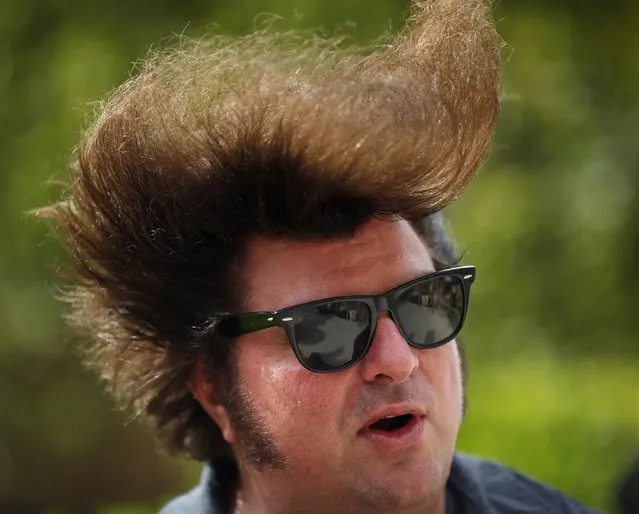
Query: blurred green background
point(551, 223)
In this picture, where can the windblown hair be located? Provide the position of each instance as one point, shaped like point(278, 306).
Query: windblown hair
point(221, 140)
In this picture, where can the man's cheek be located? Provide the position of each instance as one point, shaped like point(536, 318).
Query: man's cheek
point(442, 366)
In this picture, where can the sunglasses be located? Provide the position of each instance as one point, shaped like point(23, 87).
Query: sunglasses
point(332, 334)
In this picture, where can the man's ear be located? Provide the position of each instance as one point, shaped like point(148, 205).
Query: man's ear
point(204, 390)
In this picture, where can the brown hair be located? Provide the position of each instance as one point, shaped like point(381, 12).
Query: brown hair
point(274, 134)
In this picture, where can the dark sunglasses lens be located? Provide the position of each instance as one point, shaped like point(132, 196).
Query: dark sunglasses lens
point(332, 335)
point(431, 311)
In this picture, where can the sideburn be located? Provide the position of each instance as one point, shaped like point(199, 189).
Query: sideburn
point(257, 447)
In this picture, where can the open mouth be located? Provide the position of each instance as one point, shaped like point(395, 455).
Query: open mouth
point(392, 423)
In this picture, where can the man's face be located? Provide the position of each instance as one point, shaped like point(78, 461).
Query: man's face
point(314, 427)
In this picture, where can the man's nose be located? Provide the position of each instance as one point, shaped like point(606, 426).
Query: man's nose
point(389, 358)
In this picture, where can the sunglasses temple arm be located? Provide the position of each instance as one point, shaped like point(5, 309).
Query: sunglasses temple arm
point(254, 322)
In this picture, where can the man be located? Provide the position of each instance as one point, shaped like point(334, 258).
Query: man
point(263, 271)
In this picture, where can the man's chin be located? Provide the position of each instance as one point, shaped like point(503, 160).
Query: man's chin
point(416, 479)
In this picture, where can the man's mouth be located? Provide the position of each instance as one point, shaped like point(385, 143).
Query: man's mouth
point(395, 428)
point(391, 423)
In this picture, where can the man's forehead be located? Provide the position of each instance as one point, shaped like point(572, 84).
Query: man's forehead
point(379, 256)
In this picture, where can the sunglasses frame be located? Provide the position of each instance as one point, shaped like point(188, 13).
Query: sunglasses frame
point(241, 324)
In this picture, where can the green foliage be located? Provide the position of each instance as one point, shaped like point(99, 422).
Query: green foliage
point(567, 423)
point(550, 222)
point(126, 509)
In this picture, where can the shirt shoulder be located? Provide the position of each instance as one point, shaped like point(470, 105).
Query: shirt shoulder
point(488, 487)
point(189, 503)
point(197, 501)
point(212, 495)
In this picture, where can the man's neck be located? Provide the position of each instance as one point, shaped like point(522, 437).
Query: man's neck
point(277, 493)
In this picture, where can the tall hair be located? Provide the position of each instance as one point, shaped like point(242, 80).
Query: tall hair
point(220, 140)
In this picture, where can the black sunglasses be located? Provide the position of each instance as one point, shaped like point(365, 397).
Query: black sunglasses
point(332, 334)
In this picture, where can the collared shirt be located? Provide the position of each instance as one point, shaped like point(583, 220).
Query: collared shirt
point(475, 486)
